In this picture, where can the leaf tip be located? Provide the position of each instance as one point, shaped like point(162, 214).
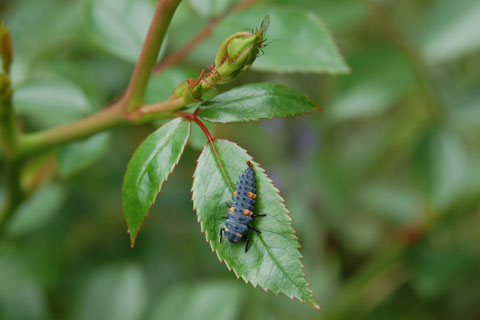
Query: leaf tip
point(133, 239)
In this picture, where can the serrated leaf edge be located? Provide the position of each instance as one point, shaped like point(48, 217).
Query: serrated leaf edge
point(278, 193)
point(133, 238)
point(326, 70)
point(317, 108)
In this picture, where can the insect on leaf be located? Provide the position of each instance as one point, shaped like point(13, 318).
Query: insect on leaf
point(273, 260)
point(149, 168)
point(264, 25)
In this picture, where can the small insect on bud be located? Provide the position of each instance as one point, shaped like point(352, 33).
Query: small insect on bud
point(238, 52)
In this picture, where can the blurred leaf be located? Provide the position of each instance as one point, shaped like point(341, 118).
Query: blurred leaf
point(161, 85)
point(380, 77)
point(337, 14)
point(451, 30)
point(441, 164)
point(118, 292)
point(37, 211)
point(210, 8)
point(37, 171)
point(42, 26)
point(20, 297)
point(79, 155)
point(466, 115)
point(50, 103)
point(298, 41)
point(399, 204)
point(254, 102)
point(273, 260)
point(437, 268)
point(200, 301)
point(120, 26)
point(149, 168)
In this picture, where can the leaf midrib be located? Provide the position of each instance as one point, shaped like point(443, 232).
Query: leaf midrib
point(271, 255)
point(231, 101)
point(153, 155)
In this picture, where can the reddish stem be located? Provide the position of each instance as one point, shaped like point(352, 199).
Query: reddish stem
point(178, 55)
point(194, 117)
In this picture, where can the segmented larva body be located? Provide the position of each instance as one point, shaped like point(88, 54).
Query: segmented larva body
point(240, 212)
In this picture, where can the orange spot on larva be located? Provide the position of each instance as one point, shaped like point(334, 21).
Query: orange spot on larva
point(247, 212)
point(231, 209)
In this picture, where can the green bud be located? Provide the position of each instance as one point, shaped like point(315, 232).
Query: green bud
point(236, 54)
point(192, 90)
point(179, 90)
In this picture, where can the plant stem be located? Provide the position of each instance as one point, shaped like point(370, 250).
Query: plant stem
point(18, 147)
point(8, 124)
point(194, 117)
point(149, 54)
point(104, 120)
point(15, 195)
point(42, 140)
point(178, 55)
point(166, 106)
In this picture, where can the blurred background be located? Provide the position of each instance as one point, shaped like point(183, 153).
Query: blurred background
point(383, 184)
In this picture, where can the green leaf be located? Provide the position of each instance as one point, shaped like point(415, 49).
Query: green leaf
point(450, 30)
point(37, 211)
point(43, 26)
point(120, 26)
point(76, 156)
point(149, 168)
point(210, 8)
point(200, 301)
point(50, 103)
point(300, 40)
point(254, 102)
point(116, 292)
point(393, 202)
point(381, 77)
point(441, 165)
point(273, 260)
point(21, 297)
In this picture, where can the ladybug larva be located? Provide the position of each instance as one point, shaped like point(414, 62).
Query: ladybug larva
point(240, 212)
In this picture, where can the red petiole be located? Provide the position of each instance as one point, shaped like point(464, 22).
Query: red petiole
point(195, 118)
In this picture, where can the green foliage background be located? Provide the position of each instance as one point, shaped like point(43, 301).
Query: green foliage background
point(383, 185)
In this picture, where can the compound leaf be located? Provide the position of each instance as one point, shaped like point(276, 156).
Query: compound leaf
point(273, 259)
point(149, 168)
point(254, 102)
point(298, 40)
